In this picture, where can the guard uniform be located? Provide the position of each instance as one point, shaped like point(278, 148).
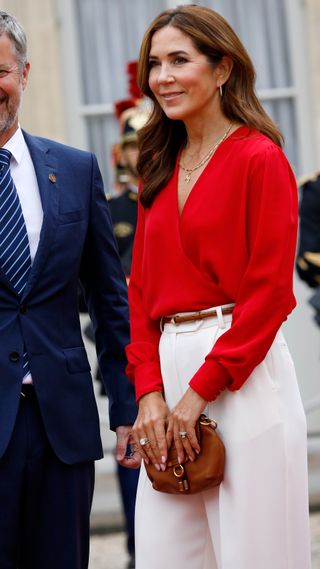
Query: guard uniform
point(123, 211)
point(308, 259)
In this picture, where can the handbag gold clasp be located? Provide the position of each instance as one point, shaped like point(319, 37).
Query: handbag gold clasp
point(206, 421)
point(178, 471)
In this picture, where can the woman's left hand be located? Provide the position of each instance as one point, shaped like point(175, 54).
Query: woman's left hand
point(182, 419)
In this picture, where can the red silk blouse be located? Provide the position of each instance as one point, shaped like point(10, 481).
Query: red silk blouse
point(233, 242)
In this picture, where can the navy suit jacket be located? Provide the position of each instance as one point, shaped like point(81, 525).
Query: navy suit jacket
point(76, 242)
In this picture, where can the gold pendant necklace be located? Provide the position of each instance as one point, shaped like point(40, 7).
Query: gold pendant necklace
point(189, 171)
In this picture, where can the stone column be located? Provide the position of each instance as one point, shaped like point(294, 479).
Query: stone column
point(42, 111)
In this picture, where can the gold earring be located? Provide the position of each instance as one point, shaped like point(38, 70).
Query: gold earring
point(220, 89)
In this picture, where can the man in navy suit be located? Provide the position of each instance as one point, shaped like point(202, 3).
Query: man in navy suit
point(49, 425)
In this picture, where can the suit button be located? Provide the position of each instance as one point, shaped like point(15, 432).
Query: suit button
point(14, 356)
point(23, 308)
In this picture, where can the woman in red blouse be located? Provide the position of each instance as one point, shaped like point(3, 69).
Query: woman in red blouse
point(211, 284)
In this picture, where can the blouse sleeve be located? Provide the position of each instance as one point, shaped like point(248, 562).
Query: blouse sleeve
point(143, 368)
point(265, 296)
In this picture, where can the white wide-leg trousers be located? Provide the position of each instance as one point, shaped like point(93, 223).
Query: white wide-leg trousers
point(258, 517)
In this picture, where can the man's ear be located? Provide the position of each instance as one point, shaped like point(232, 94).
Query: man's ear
point(25, 74)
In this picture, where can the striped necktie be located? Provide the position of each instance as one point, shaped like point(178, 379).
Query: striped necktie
point(15, 257)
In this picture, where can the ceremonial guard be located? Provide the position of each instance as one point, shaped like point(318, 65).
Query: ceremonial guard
point(308, 258)
point(132, 115)
point(123, 204)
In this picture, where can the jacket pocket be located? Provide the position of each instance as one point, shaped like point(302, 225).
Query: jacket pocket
point(72, 216)
point(76, 359)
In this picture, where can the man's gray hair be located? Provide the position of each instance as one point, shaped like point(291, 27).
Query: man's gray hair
point(10, 26)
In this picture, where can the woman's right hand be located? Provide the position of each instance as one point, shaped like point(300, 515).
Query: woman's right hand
point(151, 425)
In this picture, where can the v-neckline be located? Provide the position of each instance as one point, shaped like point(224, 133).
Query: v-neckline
point(180, 213)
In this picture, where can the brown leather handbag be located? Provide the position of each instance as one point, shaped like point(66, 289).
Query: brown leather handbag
point(205, 472)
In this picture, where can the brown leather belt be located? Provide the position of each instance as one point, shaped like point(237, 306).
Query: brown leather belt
point(200, 315)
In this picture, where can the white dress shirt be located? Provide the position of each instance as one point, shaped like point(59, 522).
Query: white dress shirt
point(24, 177)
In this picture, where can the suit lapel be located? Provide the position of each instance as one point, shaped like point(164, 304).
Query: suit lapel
point(45, 166)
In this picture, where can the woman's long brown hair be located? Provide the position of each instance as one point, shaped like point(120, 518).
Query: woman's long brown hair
point(161, 138)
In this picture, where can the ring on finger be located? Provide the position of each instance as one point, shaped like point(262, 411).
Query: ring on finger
point(183, 434)
point(144, 441)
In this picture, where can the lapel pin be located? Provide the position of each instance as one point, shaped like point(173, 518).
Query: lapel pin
point(52, 178)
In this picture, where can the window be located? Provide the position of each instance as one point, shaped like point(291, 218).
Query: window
point(110, 33)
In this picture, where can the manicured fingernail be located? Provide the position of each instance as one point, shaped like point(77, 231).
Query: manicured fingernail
point(162, 466)
point(157, 467)
point(190, 458)
point(118, 457)
point(197, 450)
point(163, 459)
point(146, 460)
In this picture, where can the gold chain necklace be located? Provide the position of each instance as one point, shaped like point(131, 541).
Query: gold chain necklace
point(189, 171)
